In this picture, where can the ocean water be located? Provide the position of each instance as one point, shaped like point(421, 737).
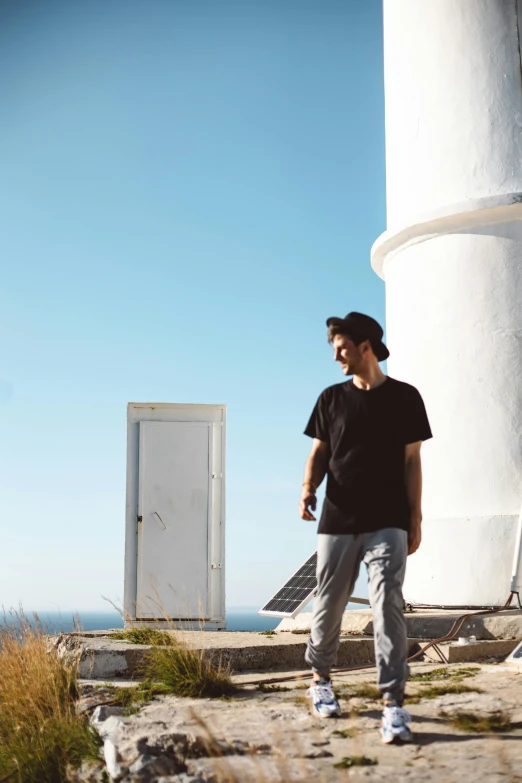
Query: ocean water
point(238, 619)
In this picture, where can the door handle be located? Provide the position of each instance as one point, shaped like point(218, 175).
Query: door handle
point(160, 519)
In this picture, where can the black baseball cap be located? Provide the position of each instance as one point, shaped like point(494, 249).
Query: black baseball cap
point(359, 327)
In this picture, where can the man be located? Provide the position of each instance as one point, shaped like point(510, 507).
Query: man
point(367, 434)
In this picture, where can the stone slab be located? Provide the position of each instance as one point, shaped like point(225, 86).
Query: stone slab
point(423, 624)
point(103, 657)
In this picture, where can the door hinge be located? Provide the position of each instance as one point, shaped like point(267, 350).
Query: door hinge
point(140, 519)
point(216, 565)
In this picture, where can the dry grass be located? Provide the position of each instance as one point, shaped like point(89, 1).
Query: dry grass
point(41, 733)
point(280, 769)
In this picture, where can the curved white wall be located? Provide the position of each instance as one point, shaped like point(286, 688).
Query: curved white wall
point(454, 285)
point(453, 103)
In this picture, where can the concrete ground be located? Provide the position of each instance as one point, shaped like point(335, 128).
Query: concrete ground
point(270, 735)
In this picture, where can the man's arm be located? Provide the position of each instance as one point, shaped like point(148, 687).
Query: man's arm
point(413, 476)
point(315, 471)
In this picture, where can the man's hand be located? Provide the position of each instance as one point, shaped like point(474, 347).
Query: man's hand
point(308, 501)
point(413, 476)
point(415, 535)
point(315, 470)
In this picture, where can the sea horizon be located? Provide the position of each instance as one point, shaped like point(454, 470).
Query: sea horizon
point(238, 618)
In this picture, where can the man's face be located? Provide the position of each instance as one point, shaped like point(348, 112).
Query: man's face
point(349, 355)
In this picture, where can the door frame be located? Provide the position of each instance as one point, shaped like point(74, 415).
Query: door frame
point(215, 417)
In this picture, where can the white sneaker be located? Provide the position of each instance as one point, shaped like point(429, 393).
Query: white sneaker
point(324, 703)
point(394, 725)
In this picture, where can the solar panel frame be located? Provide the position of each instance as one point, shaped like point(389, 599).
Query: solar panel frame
point(310, 590)
point(299, 601)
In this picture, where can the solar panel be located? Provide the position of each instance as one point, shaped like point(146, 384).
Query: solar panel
point(297, 592)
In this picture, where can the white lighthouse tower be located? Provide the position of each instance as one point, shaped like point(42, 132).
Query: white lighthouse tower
point(452, 261)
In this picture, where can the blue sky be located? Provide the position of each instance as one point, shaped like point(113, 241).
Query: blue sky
point(189, 189)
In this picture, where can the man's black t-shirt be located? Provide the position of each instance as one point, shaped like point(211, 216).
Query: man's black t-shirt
point(367, 432)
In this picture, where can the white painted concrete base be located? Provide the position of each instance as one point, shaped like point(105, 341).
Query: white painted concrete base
point(463, 562)
point(177, 625)
point(423, 624)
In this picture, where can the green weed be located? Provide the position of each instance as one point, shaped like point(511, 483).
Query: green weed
point(265, 688)
point(172, 667)
point(131, 697)
point(466, 671)
point(444, 673)
point(348, 733)
point(497, 723)
point(434, 691)
point(435, 674)
point(364, 691)
point(187, 672)
point(355, 761)
point(152, 636)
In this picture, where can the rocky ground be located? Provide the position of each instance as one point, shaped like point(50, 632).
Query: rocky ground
point(270, 735)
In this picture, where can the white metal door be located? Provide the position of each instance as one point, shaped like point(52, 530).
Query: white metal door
point(174, 507)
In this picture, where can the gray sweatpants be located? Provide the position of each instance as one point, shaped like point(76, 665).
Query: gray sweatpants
point(338, 561)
